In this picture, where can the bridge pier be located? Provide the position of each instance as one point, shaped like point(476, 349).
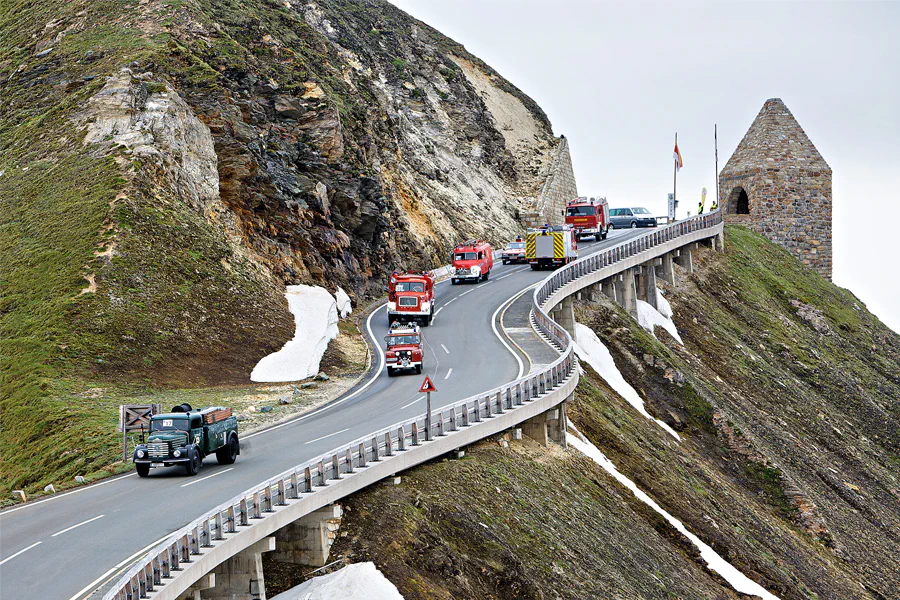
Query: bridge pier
point(206, 582)
point(646, 283)
point(565, 315)
point(666, 270)
point(719, 242)
point(625, 291)
point(241, 576)
point(549, 426)
point(684, 259)
point(608, 286)
point(307, 541)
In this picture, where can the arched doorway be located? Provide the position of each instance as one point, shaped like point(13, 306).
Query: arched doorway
point(738, 202)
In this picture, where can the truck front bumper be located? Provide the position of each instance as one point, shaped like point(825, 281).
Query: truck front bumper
point(394, 314)
point(153, 462)
point(401, 364)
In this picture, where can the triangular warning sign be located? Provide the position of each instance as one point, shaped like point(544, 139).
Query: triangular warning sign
point(427, 386)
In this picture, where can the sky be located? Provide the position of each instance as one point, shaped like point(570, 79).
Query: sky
point(619, 79)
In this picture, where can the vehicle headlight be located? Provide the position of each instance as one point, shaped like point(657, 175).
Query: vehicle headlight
point(426, 305)
point(177, 453)
point(392, 306)
point(140, 454)
point(476, 270)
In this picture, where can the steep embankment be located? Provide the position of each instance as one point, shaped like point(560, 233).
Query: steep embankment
point(168, 166)
point(785, 399)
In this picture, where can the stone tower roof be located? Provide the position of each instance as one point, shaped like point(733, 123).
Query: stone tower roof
point(775, 140)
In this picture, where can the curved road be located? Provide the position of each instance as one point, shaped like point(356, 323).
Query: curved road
point(65, 546)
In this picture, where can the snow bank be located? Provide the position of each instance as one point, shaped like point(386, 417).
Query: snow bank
point(592, 351)
point(359, 581)
point(344, 306)
point(738, 580)
point(315, 318)
point(649, 317)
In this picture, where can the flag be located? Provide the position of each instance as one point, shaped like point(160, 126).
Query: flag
point(679, 162)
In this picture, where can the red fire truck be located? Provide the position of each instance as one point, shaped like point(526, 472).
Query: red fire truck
point(411, 297)
point(404, 348)
point(472, 261)
point(589, 217)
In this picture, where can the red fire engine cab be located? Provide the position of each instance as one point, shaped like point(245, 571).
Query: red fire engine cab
point(472, 261)
point(589, 217)
point(403, 348)
point(411, 297)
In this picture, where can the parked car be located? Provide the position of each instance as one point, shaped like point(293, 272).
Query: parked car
point(636, 216)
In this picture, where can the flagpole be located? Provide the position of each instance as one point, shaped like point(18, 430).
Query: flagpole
point(675, 179)
point(716, 140)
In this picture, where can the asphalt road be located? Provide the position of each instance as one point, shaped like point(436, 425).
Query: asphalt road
point(65, 546)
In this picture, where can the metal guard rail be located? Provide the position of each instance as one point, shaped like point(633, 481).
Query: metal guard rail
point(163, 561)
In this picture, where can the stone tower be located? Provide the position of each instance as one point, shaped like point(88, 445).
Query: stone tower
point(778, 184)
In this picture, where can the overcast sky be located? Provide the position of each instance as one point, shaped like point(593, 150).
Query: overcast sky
point(620, 78)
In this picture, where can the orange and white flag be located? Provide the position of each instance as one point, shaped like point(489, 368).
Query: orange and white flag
point(679, 162)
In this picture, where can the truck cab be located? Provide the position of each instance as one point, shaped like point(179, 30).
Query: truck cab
point(186, 436)
point(403, 348)
point(471, 261)
point(589, 217)
point(411, 297)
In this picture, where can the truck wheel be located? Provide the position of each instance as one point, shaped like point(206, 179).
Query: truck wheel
point(485, 276)
point(605, 233)
point(599, 237)
point(227, 454)
point(452, 281)
point(534, 267)
point(143, 469)
point(390, 372)
point(193, 466)
point(418, 369)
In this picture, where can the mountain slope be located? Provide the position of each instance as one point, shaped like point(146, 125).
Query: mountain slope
point(167, 166)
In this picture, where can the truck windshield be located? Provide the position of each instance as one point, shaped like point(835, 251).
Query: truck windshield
point(169, 425)
point(581, 211)
point(465, 256)
point(411, 286)
point(396, 340)
point(516, 245)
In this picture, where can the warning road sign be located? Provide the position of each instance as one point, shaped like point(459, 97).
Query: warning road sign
point(427, 386)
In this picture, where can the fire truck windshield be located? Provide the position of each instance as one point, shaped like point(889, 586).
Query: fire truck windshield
point(465, 256)
point(168, 425)
point(396, 340)
point(581, 211)
point(411, 286)
point(516, 245)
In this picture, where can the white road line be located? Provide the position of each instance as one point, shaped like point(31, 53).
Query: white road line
point(23, 551)
point(500, 337)
point(78, 525)
point(438, 311)
point(445, 349)
point(453, 299)
point(413, 402)
point(327, 436)
point(464, 293)
point(88, 487)
point(447, 376)
point(207, 477)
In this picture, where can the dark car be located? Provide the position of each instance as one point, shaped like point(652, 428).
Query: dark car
point(636, 216)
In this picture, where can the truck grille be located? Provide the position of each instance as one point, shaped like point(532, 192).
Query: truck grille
point(462, 271)
point(408, 301)
point(158, 449)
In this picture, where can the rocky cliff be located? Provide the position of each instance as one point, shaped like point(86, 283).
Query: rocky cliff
point(167, 166)
point(785, 397)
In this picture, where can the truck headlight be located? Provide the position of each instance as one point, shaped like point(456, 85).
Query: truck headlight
point(177, 453)
point(426, 305)
point(476, 270)
point(140, 454)
point(392, 306)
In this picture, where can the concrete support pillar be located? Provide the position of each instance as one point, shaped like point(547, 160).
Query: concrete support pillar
point(206, 582)
point(609, 288)
point(666, 270)
point(719, 242)
point(549, 426)
point(307, 541)
point(566, 315)
point(241, 576)
point(684, 259)
point(626, 295)
point(595, 291)
point(648, 285)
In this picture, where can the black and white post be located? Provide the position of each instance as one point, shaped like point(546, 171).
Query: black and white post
point(428, 416)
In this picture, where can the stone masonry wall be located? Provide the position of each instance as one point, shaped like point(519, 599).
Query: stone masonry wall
point(788, 185)
point(558, 189)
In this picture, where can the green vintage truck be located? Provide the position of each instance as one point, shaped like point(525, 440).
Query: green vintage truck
point(186, 436)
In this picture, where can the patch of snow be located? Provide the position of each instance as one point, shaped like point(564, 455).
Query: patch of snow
point(663, 306)
point(649, 317)
point(359, 581)
point(315, 319)
point(592, 351)
point(344, 306)
point(738, 580)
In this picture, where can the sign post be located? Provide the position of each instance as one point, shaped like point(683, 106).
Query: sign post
point(427, 388)
point(672, 205)
point(133, 417)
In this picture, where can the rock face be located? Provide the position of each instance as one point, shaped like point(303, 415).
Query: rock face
point(778, 184)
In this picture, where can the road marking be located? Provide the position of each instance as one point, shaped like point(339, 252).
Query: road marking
point(464, 293)
point(327, 436)
point(78, 525)
point(445, 349)
point(87, 487)
point(453, 299)
point(439, 310)
point(413, 402)
point(447, 376)
point(500, 337)
point(207, 477)
point(23, 551)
